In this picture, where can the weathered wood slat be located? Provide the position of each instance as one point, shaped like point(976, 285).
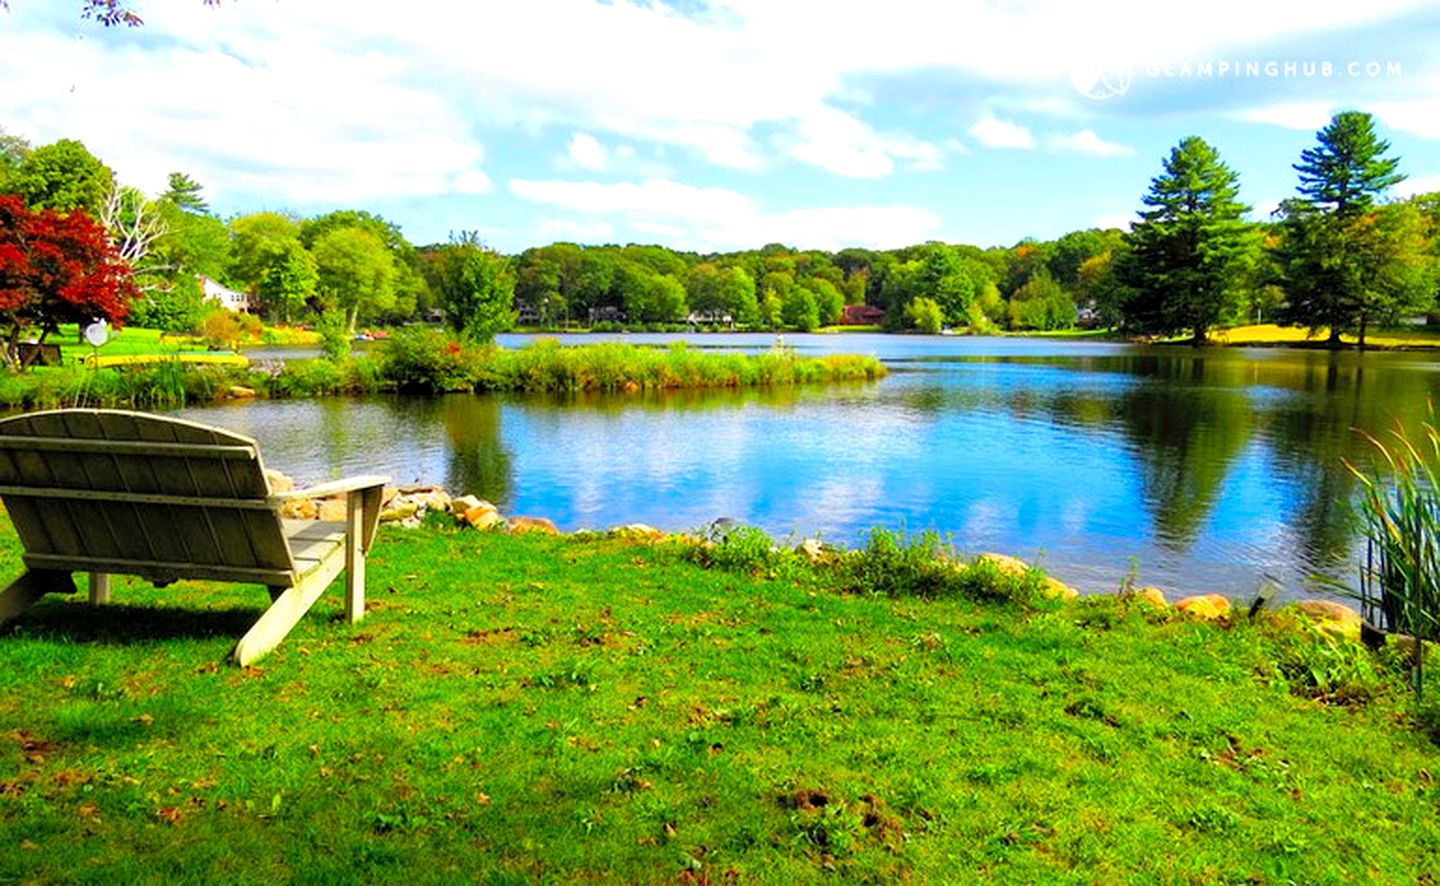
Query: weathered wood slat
point(250, 504)
point(130, 447)
point(159, 569)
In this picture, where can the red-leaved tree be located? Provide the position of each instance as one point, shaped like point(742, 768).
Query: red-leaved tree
point(55, 268)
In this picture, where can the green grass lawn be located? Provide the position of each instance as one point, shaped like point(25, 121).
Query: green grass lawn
point(125, 341)
point(522, 708)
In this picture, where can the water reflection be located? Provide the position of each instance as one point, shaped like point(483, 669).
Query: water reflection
point(1209, 469)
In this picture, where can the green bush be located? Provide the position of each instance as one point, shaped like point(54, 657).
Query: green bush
point(424, 359)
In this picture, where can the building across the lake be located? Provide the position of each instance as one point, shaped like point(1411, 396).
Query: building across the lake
point(227, 297)
point(862, 315)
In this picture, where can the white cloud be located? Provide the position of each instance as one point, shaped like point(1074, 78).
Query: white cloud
point(1087, 142)
point(718, 218)
point(1264, 209)
point(577, 231)
point(277, 128)
point(1304, 116)
point(992, 132)
point(471, 182)
point(1418, 117)
point(1121, 220)
point(1424, 184)
point(587, 153)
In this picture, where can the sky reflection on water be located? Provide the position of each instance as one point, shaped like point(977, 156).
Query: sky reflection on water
point(1209, 469)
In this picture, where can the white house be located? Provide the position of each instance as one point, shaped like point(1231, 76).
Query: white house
point(227, 297)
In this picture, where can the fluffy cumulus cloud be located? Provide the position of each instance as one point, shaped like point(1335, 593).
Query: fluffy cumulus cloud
point(1304, 116)
point(349, 101)
point(719, 218)
point(1087, 142)
point(274, 125)
point(992, 132)
point(587, 153)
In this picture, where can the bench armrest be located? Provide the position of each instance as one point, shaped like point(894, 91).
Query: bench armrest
point(334, 487)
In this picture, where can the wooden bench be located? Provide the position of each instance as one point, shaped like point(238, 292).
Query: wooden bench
point(107, 492)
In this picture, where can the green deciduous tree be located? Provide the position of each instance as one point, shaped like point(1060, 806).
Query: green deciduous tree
point(1190, 254)
point(63, 176)
point(799, 309)
point(1041, 303)
point(356, 273)
point(925, 315)
point(476, 287)
point(13, 151)
point(271, 262)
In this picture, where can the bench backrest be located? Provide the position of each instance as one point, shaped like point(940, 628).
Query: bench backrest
point(105, 490)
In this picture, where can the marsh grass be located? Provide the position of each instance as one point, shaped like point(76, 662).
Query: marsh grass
point(428, 361)
point(537, 708)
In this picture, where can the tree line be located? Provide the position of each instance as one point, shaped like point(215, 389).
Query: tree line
point(1339, 256)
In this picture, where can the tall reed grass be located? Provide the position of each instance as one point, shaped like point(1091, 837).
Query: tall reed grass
point(1400, 507)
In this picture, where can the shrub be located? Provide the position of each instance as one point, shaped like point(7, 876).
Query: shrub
point(334, 337)
point(222, 328)
point(301, 378)
point(426, 359)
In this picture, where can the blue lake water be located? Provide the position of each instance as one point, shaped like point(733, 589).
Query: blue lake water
point(1205, 470)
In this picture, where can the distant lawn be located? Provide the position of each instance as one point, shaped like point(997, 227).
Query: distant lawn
point(856, 328)
point(532, 708)
point(126, 341)
point(1270, 334)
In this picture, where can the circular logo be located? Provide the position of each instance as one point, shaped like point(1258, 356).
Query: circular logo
point(1099, 82)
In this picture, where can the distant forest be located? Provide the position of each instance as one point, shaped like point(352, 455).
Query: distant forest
point(1340, 255)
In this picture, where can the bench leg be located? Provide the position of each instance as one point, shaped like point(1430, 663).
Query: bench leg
point(354, 557)
point(287, 610)
point(34, 584)
point(99, 588)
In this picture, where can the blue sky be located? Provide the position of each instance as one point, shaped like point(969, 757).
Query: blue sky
point(717, 125)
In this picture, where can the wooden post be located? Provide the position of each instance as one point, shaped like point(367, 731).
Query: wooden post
point(99, 588)
point(31, 586)
point(354, 556)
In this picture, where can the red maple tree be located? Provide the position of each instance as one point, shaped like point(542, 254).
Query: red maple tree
point(55, 268)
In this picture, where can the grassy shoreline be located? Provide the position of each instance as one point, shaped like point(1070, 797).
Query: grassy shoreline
point(521, 708)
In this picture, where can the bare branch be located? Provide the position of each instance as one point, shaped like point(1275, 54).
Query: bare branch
point(133, 224)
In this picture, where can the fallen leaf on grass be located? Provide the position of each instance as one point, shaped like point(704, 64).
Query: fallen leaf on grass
point(169, 814)
point(482, 798)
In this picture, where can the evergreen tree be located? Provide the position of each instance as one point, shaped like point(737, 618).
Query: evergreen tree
point(184, 193)
point(1342, 262)
point(1186, 264)
point(1346, 172)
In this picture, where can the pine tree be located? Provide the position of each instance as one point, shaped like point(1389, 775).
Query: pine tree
point(1345, 172)
point(1345, 263)
point(1188, 257)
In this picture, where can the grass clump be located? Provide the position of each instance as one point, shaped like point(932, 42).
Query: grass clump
point(889, 564)
point(547, 708)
